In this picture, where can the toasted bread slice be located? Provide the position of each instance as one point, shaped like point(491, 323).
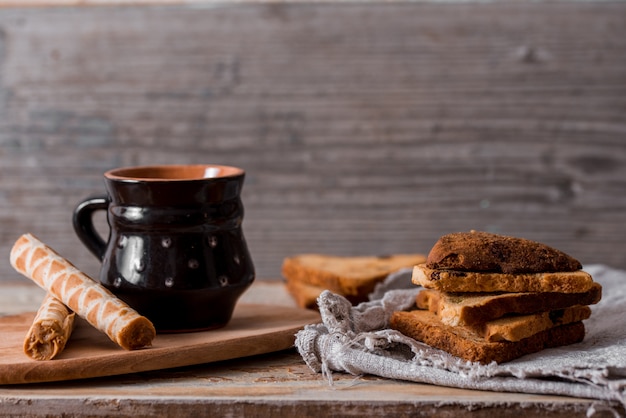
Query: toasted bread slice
point(487, 252)
point(466, 281)
point(353, 277)
point(305, 295)
point(461, 342)
point(474, 308)
point(518, 327)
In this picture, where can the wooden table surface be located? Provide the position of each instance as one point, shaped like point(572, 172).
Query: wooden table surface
point(277, 384)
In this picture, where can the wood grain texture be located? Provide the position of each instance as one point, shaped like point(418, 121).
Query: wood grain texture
point(364, 128)
point(278, 385)
point(254, 329)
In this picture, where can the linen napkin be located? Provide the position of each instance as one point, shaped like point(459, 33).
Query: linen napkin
point(357, 340)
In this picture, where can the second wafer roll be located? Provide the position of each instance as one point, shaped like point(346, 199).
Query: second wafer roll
point(50, 331)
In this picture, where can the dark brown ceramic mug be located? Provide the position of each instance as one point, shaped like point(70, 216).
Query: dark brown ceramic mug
point(176, 251)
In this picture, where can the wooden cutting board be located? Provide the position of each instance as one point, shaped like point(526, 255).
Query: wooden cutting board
point(254, 329)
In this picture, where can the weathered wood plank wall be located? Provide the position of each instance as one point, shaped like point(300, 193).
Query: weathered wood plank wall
point(364, 128)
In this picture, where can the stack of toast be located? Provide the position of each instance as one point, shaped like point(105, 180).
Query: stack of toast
point(355, 277)
point(489, 297)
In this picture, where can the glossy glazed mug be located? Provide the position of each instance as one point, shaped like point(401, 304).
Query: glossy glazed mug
point(176, 250)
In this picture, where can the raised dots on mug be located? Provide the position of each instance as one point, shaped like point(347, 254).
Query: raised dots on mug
point(169, 281)
point(223, 281)
point(166, 242)
point(212, 241)
point(193, 263)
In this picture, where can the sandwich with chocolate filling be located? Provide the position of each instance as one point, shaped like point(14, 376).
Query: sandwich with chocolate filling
point(490, 297)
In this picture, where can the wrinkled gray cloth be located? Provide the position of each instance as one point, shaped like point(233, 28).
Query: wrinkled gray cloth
point(357, 340)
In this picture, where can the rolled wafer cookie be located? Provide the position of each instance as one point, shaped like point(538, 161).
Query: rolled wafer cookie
point(89, 299)
point(50, 331)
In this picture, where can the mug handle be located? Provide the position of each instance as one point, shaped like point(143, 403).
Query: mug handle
point(83, 224)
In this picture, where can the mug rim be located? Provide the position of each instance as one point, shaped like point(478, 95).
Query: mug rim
point(165, 172)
